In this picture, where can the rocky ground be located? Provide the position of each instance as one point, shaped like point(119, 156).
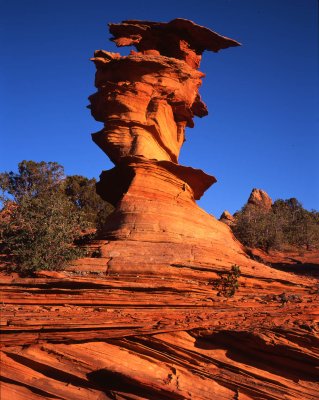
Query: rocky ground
point(89, 333)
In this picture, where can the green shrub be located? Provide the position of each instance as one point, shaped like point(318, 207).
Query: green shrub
point(286, 223)
point(81, 191)
point(41, 232)
point(227, 284)
point(44, 213)
point(40, 221)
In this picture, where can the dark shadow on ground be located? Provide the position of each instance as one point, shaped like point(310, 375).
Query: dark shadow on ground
point(249, 349)
point(112, 381)
point(311, 270)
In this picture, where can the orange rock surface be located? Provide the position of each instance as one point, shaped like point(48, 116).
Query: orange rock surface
point(93, 332)
point(259, 198)
point(144, 320)
point(227, 218)
point(146, 100)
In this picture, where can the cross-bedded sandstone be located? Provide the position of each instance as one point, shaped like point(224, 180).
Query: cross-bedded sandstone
point(144, 321)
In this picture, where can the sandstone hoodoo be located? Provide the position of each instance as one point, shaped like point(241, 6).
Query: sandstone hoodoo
point(146, 100)
point(172, 307)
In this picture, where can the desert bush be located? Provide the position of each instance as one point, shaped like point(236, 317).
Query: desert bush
point(44, 214)
point(32, 179)
point(41, 233)
point(286, 223)
point(299, 226)
point(81, 191)
point(227, 283)
point(256, 228)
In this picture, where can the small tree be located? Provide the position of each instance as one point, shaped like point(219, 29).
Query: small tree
point(33, 179)
point(256, 227)
point(40, 230)
point(286, 223)
point(81, 191)
point(227, 284)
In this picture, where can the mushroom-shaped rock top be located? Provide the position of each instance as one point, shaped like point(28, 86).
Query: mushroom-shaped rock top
point(179, 38)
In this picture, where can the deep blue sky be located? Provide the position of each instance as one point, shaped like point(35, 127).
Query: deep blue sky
point(262, 129)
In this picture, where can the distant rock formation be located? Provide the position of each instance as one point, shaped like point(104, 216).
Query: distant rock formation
point(227, 218)
point(260, 199)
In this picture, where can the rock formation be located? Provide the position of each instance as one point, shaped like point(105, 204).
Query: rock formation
point(146, 100)
point(144, 321)
point(227, 218)
point(84, 334)
point(259, 198)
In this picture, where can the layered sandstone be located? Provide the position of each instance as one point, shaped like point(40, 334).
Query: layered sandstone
point(146, 100)
point(89, 332)
point(144, 320)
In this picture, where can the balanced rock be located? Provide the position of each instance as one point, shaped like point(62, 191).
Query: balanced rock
point(145, 101)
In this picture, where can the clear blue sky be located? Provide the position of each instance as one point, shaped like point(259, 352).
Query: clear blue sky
point(262, 129)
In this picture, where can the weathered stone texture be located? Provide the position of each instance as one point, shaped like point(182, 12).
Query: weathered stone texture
point(144, 321)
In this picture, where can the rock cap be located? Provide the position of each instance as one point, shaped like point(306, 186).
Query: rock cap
point(179, 38)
